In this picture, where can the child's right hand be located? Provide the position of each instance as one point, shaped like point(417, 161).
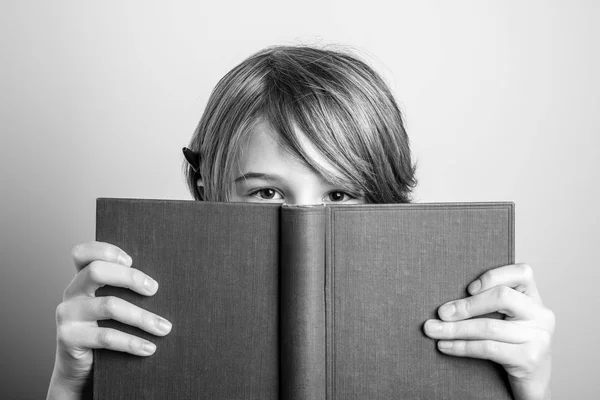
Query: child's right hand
point(77, 330)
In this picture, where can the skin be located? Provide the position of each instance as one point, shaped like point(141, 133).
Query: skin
point(521, 343)
point(285, 178)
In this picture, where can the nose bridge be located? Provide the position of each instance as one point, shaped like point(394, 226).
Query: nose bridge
point(304, 187)
point(304, 198)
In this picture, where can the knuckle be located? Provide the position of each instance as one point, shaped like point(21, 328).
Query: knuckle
point(136, 278)
point(62, 312)
point(489, 348)
point(63, 336)
point(95, 271)
point(108, 306)
point(503, 293)
point(465, 305)
point(531, 357)
point(488, 278)
point(108, 252)
point(492, 326)
point(536, 352)
point(453, 328)
point(76, 251)
point(460, 346)
point(132, 345)
point(106, 338)
point(145, 319)
point(526, 271)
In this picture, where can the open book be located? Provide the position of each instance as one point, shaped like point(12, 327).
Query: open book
point(301, 302)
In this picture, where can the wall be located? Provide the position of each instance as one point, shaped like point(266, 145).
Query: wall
point(97, 98)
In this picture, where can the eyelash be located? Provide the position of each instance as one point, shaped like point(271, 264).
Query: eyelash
point(255, 193)
point(349, 197)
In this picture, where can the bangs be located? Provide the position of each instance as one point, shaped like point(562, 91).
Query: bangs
point(316, 105)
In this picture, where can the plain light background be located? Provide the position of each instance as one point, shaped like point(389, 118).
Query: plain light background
point(501, 100)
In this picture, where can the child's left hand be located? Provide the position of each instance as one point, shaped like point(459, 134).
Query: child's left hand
point(520, 343)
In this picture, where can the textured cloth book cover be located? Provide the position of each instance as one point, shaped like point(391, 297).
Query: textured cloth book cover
point(301, 302)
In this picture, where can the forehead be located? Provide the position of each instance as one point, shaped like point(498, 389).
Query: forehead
point(263, 152)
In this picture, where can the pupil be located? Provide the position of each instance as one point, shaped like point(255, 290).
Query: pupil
point(336, 196)
point(268, 193)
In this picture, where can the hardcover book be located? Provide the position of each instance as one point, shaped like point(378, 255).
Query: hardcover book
point(273, 301)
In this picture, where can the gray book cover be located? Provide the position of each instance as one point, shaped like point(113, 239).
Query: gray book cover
point(316, 302)
point(217, 269)
point(388, 269)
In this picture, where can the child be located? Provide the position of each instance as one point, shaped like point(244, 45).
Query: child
point(302, 125)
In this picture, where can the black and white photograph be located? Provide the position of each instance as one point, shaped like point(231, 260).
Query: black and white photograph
point(299, 200)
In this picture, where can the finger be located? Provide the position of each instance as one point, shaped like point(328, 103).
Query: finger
point(481, 329)
point(516, 276)
point(501, 353)
point(497, 299)
point(101, 273)
point(93, 337)
point(110, 307)
point(85, 253)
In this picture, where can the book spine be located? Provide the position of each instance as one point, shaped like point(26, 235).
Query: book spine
point(302, 303)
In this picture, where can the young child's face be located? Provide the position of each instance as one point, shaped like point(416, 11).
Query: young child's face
point(268, 173)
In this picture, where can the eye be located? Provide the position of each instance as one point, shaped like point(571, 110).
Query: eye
point(267, 194)
point(338, 196)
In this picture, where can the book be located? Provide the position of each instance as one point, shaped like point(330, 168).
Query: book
point(273, 301)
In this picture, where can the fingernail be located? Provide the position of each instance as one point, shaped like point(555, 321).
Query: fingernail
point(474, 287)
point(124, 259)
point(150, 284)
point(433, 326)
point(447, 310)
point(148, 347)
point(164, 325)
point(443, 345)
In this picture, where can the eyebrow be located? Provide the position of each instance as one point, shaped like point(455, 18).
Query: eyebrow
point(259, 175)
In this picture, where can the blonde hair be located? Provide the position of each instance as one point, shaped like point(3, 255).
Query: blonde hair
point(340, 103)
